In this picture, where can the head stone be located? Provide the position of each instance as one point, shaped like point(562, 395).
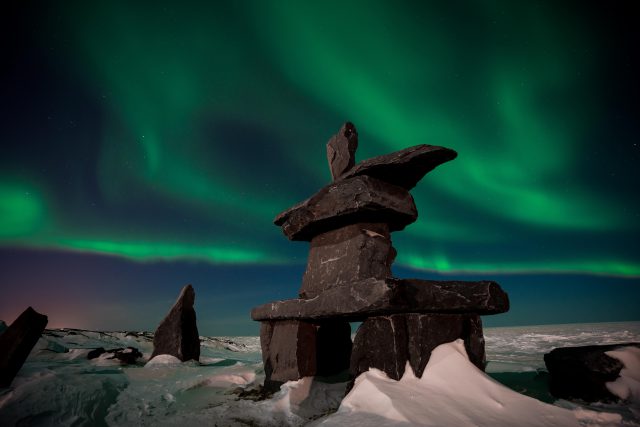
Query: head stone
point(341, 150)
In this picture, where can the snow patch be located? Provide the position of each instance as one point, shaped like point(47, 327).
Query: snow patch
point(451, 392)
point(627, 386)
point(163, 359)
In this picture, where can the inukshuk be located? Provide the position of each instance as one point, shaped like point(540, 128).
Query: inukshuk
point(348, 277)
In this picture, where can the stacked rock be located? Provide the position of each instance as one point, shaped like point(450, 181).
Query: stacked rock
point(348, 277)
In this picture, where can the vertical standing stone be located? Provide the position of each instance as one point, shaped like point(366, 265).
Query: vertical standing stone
point(341, 150)
point(347, 254)
point(388, 342)
point(381, 343)
point(427, 331)
point(17, 341)
point(288, 351)
point(177, 334)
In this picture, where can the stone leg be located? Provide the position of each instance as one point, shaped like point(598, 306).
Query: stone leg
point(288, 351)
point(389, 342)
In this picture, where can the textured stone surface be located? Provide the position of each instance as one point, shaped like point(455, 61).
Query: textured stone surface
point(177, 334)
point(373, 297)
point(582, 372)
point(388, 342)
point(427, 331)
point(341, 150)
point(403, 168)
point(333, 350)
point(381, 343)
point(352, 253)
point(17, 341)
point(349, 201)
point(288, 351)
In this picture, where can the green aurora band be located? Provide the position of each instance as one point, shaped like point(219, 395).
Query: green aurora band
point(216, 116)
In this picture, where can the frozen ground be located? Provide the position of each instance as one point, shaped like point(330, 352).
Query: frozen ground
point(59, 386)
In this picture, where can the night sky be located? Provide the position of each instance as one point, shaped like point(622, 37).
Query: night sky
point(147, 145)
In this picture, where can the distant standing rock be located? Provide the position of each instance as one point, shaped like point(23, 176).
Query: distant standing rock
point(17, 341)
point(3, 326)
point(177, 334)
point(582, 372)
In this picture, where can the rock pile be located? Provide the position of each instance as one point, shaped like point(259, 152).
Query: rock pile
point(348, 277)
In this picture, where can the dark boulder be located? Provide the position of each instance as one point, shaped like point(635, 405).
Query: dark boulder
point(126, 356)
point(582, 372)
point(3, 326)
point(341, 150)
point(17, 341)
point(95, 353)
point(340, 257)
point(404, 168)
point(349, 201)
point(177, 334)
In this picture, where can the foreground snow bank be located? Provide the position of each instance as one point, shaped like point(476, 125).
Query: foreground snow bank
point(451, 392)
point(627, 386)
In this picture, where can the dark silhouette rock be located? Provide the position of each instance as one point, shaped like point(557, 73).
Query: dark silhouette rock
point(177, 334)
point(288, 351)
point(17, 341)
point(95, 353)
point(341, 150)
point(333, 348)
point(340, 257)
point(3, 326)
point(126, 356)
point(373, 297)
point(404, 168)
point(350, 201)
point(582, 372)
point(387, 343)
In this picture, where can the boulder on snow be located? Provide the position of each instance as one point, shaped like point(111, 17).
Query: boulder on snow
point(582, 372)
point(17, 341)
point(177, 334)
point(126, 356)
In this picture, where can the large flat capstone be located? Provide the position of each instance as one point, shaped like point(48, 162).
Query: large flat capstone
point(349, 201)
point(375, 297)
point(404, 168)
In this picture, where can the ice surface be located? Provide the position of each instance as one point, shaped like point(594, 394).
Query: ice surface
point(59, 386)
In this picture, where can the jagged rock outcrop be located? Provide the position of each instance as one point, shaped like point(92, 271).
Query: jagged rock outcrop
point(177, 334)
point(582, 372)
point(17, 341)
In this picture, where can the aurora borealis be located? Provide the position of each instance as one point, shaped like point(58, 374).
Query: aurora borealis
point(147, 145)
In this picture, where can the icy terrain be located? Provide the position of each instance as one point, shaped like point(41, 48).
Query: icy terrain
point(59, 386)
